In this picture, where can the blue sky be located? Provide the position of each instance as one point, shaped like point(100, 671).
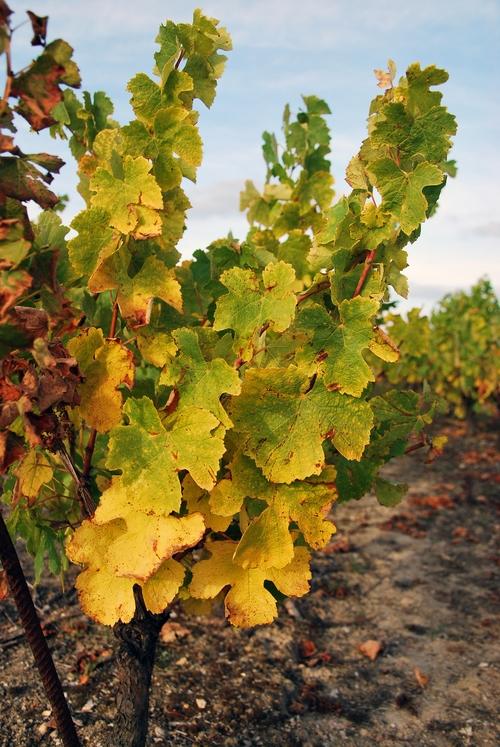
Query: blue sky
point(285, 49)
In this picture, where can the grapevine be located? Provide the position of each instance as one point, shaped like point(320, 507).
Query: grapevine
point(182, 428)
point(454, 350)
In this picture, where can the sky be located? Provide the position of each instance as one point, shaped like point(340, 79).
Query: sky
point(283, 49)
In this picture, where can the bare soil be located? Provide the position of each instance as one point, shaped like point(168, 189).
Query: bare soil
point(420, 579)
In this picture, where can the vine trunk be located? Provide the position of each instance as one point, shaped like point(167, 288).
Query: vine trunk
point(136, 657)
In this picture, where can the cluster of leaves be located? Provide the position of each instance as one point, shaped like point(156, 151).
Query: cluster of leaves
point(38, 377)
point(214, 409)
point(455, 350)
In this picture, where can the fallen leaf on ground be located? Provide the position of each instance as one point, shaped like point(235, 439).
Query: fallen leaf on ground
point(433, 501)
point(306, 648)
point(460, 533)
point(172, 631)
point(342, 544)
point(422, 679)
point(371, 649)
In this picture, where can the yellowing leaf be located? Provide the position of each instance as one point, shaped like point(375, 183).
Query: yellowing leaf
point(103, 596)
point(146, 97)
point(95, 241)
point(161, 588)
point(135, 294)
point(246, 479)
point(199, 383)
point(33, 472)
point(336, 349)
point(248, 306)
point(156, 347)
point(248, 602)
point(284, 435)
point(402, 191)
point(384, 347)
point(149, 540)
point(106, 365)
point(197, 499)
point(150, 455)
point(122, 197)
point(187, 144)
point(197, 440)
point(266, 543)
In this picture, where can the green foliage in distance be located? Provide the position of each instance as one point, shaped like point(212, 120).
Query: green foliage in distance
point(186, 427)
point(455, 350)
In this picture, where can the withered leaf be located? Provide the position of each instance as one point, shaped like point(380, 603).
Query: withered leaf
point(33, 322)
point(5, 12)
point(11, 449)
point(422, 679)
point(14, 284)
point(38, 87)
point(22, 181)
point(371, 649)
point(39, 26)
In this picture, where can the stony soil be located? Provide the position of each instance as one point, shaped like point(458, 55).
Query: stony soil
point(420, 579)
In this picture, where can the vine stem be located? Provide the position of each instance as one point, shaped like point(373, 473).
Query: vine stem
point(179, 59)
point(366, 269)
point(36, 639)
point(323, 285)
point(419, 445)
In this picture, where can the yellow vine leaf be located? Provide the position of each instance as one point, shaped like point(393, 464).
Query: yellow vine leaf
point(135, 294)
point(33, 472)
point(105, 365)
point(198, 499)
point(150, 453)
point(248, 602)
point(161, 588)
point(130, 201)
point(285, 434)
point(149, 540)
point(104, 595)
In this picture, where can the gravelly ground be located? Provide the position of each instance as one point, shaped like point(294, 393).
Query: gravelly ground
point(422, 579)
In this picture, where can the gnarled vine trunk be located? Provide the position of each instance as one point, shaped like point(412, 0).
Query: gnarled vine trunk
point(136, 657)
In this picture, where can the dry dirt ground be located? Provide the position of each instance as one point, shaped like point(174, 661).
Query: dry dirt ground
point(420, 579)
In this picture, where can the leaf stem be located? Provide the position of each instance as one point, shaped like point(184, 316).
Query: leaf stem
point(419, 445)
point(321, 286)
point(84, 496)
point(89, 451)
point(179, 59)
point(114, 320)
point(366, 269)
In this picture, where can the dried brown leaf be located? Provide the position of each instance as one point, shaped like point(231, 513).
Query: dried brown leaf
point(172, 631)
point(371, 649)
point(422, 679)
